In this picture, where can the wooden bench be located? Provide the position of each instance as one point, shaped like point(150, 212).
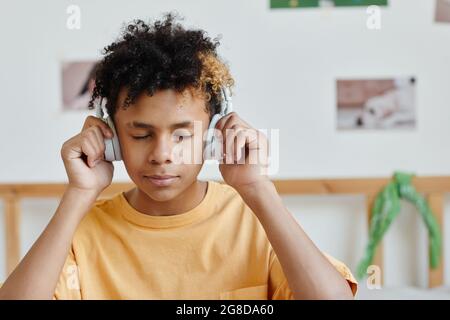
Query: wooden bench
point(433, 187)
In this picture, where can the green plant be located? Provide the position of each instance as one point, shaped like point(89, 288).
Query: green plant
point(384, 210)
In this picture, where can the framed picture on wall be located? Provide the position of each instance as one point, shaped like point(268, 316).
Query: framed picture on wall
point(274, 4)
point(78, 82)
point(442, 12)
point(353, 3)
point(376, 103)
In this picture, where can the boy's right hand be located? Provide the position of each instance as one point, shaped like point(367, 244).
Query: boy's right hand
point(83, 157)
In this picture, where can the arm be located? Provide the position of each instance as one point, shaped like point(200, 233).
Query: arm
point(309, 274)
point(37, 274)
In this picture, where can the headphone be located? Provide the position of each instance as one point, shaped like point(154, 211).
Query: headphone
point(112, 146)
point(212, 145)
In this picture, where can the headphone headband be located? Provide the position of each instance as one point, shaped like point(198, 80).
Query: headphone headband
point(226, 105)
point(100, 110)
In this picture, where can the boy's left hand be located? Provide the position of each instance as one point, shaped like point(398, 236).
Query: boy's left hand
point(245, 149)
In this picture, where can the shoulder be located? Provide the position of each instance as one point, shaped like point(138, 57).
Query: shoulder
point(103, 213)
point(224, 196)
point(224, 189)
point(230, 206)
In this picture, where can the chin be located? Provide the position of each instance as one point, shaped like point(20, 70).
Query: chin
point(161, 195)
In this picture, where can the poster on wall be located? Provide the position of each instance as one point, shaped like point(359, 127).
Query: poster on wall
point(442, 12)
point(376, 103)
point(78, 82)
point(353, 3)
point(276, 4)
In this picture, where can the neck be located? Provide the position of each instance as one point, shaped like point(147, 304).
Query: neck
point(184, 202)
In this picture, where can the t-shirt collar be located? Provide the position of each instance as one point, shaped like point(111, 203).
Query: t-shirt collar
point(201, 211)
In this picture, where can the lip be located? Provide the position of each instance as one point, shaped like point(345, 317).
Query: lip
point(161, 180)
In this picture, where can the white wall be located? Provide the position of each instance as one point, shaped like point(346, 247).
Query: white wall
point(284, 62)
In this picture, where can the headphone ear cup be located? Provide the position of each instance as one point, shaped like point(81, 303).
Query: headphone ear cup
point(112, 146)
point(109, 150)
point(211, 141)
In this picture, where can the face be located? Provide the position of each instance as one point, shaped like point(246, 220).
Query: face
point(154, 132)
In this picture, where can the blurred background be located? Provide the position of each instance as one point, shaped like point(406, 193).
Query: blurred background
point(355, 91)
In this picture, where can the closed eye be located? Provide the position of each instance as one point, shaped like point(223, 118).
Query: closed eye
point(178, 138)
point(140, 137)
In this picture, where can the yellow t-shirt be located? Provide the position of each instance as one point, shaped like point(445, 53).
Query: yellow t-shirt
point(217, 250)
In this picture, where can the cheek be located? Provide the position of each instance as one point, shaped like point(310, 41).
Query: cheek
point(188, 172)
point(189, 152)
point(133, 157)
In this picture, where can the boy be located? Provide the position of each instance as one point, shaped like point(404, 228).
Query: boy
point(172, 236)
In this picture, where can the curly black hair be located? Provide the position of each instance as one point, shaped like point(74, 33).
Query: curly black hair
point(163, 55)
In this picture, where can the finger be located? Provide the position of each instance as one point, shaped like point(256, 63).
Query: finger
point(246, 143)
point(231, 142)
point(94, 121)
point(227, 145)
point(93, 138)
point(231, 119)
point(240, 149)
point(100, 140)
point(226, 120)
point(230, 134)
point(226, 134)
point(252, 143)
point(263, 152)
point(88, 149)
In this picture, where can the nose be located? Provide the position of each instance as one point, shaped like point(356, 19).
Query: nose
point(161, 152)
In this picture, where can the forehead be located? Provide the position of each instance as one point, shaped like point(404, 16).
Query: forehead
point(164, 107)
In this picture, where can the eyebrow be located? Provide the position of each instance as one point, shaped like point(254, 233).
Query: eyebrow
point(142, 125)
